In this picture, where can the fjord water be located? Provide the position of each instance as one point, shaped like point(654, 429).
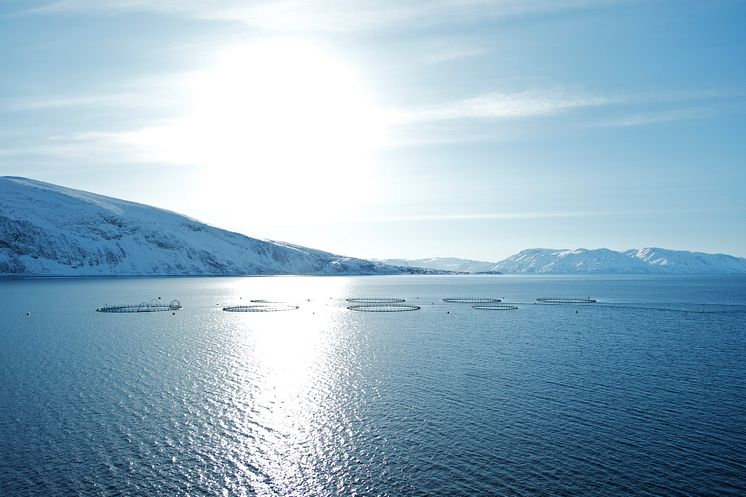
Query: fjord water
point(643, 393)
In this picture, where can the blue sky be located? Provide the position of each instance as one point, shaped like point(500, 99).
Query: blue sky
point(468, 128)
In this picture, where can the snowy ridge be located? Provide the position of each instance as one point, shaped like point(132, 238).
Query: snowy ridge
point(49, 230)
point(591, 261)
point(689, 262)
point(635, 261)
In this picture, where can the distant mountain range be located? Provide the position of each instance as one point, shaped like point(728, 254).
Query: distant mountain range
point(591, 261)
point(446, 264)
point(49, 230)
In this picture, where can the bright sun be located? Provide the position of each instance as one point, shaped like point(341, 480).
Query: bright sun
point(283, 122)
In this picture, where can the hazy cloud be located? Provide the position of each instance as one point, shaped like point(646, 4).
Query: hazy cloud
point(435, 123)
point(527, 215)
point(324, 15)
point(62, 101)
point(500, 105)
point(447, 54)
point(681, 113)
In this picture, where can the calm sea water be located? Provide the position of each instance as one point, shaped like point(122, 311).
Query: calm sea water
point(641, 394)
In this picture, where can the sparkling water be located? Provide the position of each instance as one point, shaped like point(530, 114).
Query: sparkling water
point(640, 393)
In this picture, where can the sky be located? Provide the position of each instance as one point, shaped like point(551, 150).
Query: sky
point(383, 129)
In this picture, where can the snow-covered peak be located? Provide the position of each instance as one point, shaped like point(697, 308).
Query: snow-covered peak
point(587, 261)
point(570, 261)
point(606, 261)
point(685, 262)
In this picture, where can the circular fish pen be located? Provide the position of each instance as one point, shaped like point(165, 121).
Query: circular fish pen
point(376, 300)
point(384, 307)
point(152, 306)
point(566, 300)
point(276, 307)
point(495, 307)
point(471, 300)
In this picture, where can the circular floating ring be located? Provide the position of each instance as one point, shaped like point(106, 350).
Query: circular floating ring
point(471, 300)
point(175, 305)
point(495, 307)
point(261, 308)
point(376, 300)
point(384, 307)
point(566, 300)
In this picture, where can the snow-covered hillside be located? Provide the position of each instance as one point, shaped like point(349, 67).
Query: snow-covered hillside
point(681, 262)
point(48, 230)
point(596, 261)
point(636, 261)
point(445, 264)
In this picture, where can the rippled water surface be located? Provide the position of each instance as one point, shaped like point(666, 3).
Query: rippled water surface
point(642, 393)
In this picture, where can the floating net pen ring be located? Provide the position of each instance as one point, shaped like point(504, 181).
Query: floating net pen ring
point(260, 308)
point(175, 305)
point(495, 307)
point(471, 300)
point(566, 300)
point(376, 300)
point(384, 307)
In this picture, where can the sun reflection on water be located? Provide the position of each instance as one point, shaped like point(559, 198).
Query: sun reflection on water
point(287, 380)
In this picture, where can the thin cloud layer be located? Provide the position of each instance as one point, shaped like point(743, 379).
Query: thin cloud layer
point(325, 15)
point(412, 126)
point(500, 105)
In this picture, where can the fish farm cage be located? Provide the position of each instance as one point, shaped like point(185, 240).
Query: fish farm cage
point(495, 307)
point(471, 300)
point(393, 307)
point(273, 307)
point(152, 306)
point(566, 300)
point(376, 300)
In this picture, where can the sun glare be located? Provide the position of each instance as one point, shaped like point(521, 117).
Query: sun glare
point(282, 120)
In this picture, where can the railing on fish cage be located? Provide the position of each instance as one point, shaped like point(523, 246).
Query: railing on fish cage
point(273, 307)
point(566, 300)
point(471, 300)
point(495, 307)
point(376, 300)
point(153, 306)
point(394, 307)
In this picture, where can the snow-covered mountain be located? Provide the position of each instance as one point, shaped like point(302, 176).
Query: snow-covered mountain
point(572, 261)
point(445, 264)
point(636, 261)
point(595, 261)
point(49, 230)
point(681, 262)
